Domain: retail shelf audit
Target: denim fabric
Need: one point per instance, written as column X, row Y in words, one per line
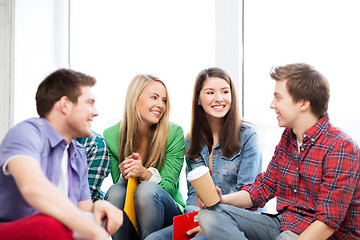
column 287, row 235
column 192, row 208
column 167, row 233
column 162, row 234
column 230, row 173
column 155, row 208
column 227, row 222
column 116, row 195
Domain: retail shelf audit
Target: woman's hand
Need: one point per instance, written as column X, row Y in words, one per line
column 125, row 166
column 132, row 167
column 137, row 169
column 196, row 231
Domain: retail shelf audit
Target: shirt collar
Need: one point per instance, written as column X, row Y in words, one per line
column 315, row 131
column 204, row 150
column 55, row 137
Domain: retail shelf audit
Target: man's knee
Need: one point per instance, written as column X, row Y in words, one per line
column 287, row 235
column 38, row 226
column 51, row 228
column 206, row 218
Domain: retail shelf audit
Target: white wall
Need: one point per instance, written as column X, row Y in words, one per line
column 41, row 43
column 228, row 48
column 173, row 40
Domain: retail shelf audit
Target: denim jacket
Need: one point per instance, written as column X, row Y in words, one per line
column 229, row 173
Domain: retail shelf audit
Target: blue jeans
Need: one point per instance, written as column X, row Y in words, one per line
column 227, row 222
column 155, row 208
column 167, row 233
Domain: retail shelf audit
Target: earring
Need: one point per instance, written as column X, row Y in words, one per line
column 199, row 102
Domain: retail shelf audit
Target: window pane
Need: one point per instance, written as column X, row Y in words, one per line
column 116, row 40
column 322, row 33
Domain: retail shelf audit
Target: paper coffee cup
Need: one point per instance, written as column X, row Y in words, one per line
column 204, row 186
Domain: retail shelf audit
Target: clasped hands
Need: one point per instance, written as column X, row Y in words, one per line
column 132, row 166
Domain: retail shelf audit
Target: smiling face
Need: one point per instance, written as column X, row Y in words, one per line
column 287, row 110
column 215, row 98
column 81, row 114
column 151, row 103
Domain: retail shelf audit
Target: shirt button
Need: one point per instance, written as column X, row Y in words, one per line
column 297, row 168
column 302, row 149
column 304, row 136
column 295, row 190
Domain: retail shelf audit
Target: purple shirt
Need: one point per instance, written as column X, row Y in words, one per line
column 37, row 139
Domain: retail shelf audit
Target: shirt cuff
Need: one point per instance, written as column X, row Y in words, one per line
column 327, row 222
column 156, row 178
column 122, row 180
column 4, row 166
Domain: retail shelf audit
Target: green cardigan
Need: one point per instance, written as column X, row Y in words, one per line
column 174, row 159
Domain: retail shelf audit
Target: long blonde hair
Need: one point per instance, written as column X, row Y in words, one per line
column 129, row 127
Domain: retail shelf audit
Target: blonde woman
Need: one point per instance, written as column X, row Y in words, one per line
column 147, row 146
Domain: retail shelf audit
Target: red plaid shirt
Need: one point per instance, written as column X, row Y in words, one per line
column 319, row 182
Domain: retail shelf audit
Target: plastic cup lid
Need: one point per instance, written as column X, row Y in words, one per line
column 197, row 172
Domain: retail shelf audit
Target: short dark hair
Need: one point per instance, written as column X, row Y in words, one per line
column 62, row 82
column 304, row 82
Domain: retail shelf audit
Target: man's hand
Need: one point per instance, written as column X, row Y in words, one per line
column 201, row 204
column 113, row 215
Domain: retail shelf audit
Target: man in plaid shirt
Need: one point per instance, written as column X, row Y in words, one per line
column 99, row 164
column 314, row 173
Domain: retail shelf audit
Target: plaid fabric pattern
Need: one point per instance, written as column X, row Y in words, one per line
column 318, row 182
column 99, row 164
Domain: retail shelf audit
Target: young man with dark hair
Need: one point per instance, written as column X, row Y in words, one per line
column 43, row 177
column 314, row 173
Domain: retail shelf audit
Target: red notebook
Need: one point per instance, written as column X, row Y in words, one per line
column 184, row 223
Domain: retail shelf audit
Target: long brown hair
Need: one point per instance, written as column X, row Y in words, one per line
column 200, row 132
column 128, row 132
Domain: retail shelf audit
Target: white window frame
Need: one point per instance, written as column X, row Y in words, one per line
column 6, row 66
